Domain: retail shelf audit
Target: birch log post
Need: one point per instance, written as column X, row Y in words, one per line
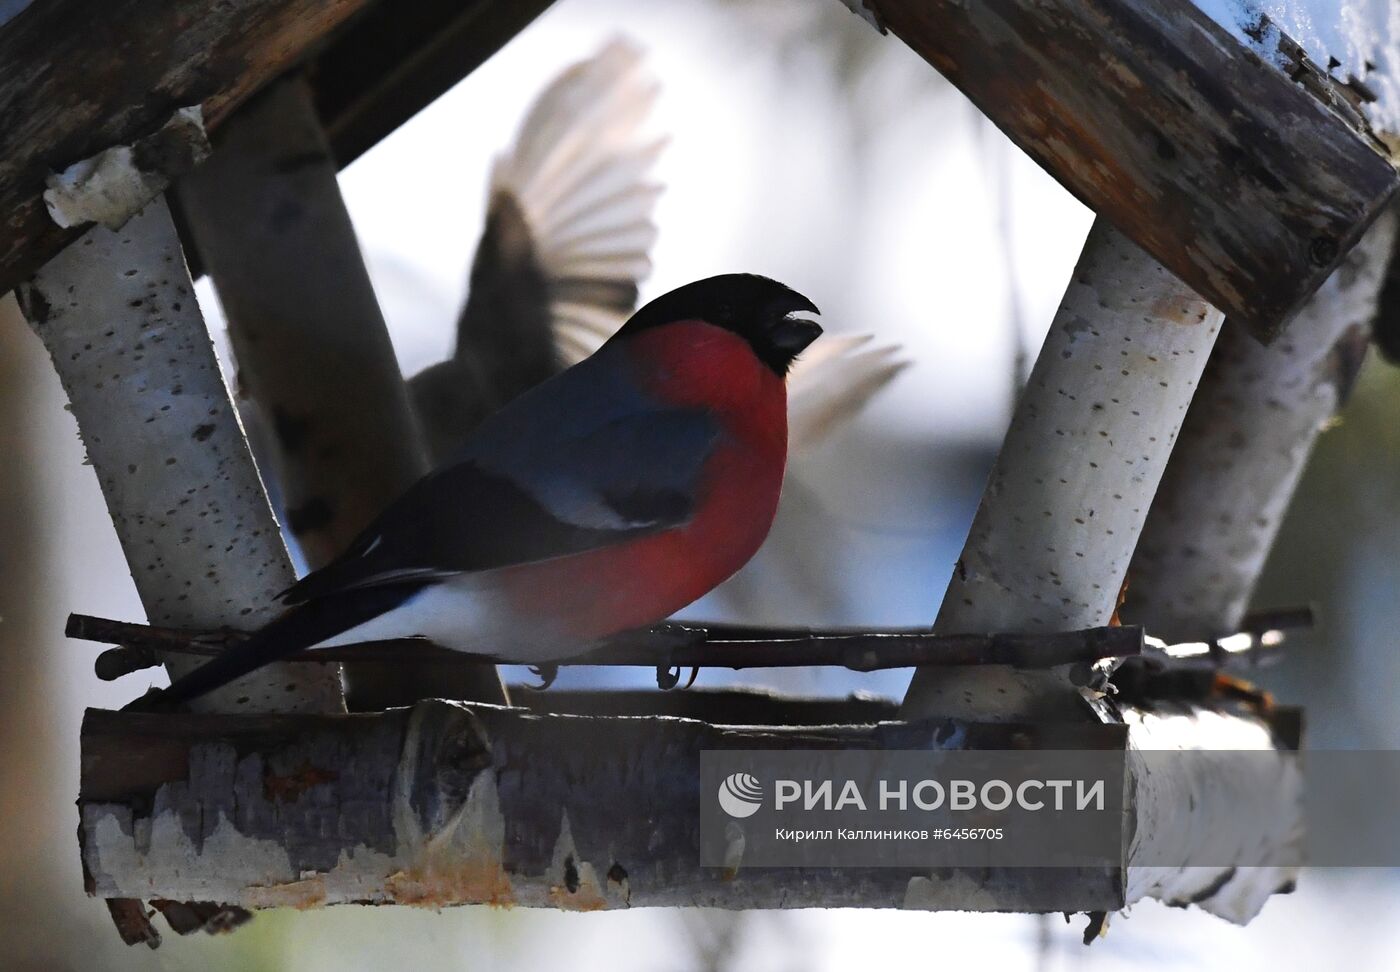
column 446, row 804
column 1051, row 540
column 1243, row 447
column 1050, row 546
column 1246, row 439
column 116, row 311
column 312, row 348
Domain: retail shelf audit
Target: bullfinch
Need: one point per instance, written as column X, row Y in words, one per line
column 606, row 498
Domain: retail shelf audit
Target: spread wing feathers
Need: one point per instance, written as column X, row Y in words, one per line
column 579, row 175
column 833, row 381
column 596, row 477
column 567, row 239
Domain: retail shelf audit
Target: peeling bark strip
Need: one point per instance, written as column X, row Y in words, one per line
column 1050, row 544
column 83, row 75
column 115, row 185
column 1238, row 180
column 1244, row 445
column 450, row 804
column 117, row 313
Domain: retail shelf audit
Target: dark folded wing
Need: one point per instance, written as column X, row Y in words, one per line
column 629, row 477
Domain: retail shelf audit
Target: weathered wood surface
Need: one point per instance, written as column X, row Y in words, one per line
column 396, row 58
column 118, row 315
column 1237, row 179
column 81, row 76
column 1243, row 447
column 449, row 804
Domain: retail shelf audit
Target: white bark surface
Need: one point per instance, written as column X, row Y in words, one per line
column 447, row 804
column 1202, row 809
column 117, row 313
column 1245, row 443
column 1050, row 547
column 312, row 348
column 1066, row 501
column 329, row 411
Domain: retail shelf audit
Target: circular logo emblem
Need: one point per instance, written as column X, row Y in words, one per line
column 740, row 795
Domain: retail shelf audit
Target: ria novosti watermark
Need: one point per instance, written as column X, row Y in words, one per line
column 869, row 808
column 930, row 794
column 901, row 808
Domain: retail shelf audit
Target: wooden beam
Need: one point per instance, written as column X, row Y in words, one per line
column 329, row 411
column 397, row 58
column 312, row 348
column 118, row 316
column 81, row 76
column 1052, row 537
column 1238, row 180
column 451, row 804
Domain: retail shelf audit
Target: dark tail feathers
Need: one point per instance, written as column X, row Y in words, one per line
column 300, row 627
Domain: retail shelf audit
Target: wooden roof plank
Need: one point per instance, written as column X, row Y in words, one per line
column 1237, row 179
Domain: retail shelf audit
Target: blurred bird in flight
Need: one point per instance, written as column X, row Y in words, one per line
column 568, row 235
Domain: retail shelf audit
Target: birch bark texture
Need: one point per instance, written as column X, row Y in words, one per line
column 117, row 312
column 313, row 351
column 1050, row 547
column 446, row 804
column 330, row 410
column 1052, row 538
column 1244, row 445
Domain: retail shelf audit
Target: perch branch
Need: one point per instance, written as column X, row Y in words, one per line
column 683, row 644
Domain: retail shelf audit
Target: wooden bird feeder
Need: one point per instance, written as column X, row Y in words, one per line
column 1229, row 190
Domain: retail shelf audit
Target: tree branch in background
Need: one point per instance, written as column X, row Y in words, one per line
column 312, row 347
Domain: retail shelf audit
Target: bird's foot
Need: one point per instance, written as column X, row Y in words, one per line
column 546, row 674
column 669, row 676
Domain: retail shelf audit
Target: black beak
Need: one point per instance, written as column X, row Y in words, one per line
column 791, row 335
column 790, row 302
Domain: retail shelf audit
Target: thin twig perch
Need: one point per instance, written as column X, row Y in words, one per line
column 710, row 645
